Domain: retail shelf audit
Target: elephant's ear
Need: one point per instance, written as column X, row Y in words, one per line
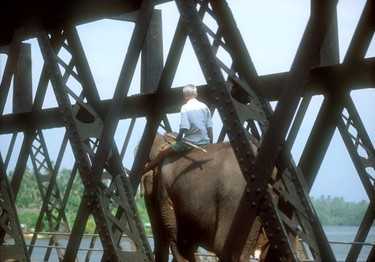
column 146, row 184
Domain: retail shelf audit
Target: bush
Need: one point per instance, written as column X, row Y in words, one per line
column 337, row 212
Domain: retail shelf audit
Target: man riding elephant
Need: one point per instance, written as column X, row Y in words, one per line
column 192, row 199
column 195, row 127
column 193, row 196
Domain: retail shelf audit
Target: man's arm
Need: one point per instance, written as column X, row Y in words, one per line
column 210, row 134
column 181, row 133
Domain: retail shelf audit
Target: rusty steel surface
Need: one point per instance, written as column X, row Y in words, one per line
column 20, row 13
column 91, row 124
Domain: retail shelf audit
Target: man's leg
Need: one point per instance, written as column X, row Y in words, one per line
column 159, row 158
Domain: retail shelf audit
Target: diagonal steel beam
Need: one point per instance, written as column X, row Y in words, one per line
column 106, row 142
column 95, row 196
column 362, row 153
column 293, row 87
column 9, row 223
column 332, row 107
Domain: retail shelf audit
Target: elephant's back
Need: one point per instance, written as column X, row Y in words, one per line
column 197, row 180
column 208, row 170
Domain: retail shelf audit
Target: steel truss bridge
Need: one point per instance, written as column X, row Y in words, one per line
column 90, row 122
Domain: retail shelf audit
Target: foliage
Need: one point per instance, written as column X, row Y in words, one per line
column 336, row 211
column 29, row 200
column 143, row 212
column 28, row 196
column 29, row 218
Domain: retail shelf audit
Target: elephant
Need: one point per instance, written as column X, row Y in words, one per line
column 192, row 198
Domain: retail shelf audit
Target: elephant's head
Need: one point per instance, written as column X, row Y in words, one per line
column 160, row 143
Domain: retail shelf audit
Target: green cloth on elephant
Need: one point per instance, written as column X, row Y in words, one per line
column 180, row 146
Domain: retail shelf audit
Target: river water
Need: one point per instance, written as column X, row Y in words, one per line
column 347, row 234
column 334, row 234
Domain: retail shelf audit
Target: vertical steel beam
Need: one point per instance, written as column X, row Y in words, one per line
column 22, row 93
column 10, row 67
column 153, row 120
column 329, row 55
column 152, row 55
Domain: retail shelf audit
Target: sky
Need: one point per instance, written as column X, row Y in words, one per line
column 272, row 31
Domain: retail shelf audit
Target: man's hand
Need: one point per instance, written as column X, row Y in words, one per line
column 210, row 134
column 180, row 134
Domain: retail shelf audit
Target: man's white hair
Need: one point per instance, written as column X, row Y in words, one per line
column 190, row 90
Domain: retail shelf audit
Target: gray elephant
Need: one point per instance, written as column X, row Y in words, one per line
column 192, row 200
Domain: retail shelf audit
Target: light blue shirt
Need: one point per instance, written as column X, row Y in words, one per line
column 196, row 118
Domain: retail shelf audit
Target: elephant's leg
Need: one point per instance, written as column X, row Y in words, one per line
column 170, row 225
column 222, row 233
column 161, row 251
column 161, row 245
column 186, row 246
column 224, row 223
column 223, row 227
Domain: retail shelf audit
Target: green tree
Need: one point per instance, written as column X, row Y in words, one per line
column 336, row 211
column 28, row 193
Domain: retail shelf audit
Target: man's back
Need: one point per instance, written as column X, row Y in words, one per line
column 196, row 118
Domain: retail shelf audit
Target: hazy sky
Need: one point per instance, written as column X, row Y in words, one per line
column 272, row 31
